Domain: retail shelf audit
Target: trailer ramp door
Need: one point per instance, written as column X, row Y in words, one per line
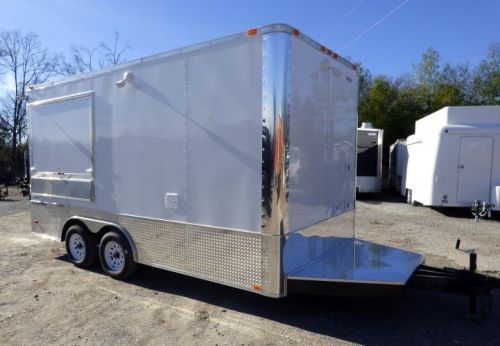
column 352, row 261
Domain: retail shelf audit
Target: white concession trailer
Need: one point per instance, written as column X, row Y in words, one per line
column 369, row 159
column 181, row 161
column 454, row 158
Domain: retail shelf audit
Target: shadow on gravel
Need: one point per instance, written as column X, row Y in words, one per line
column 463, row 213
column 387, row 196
column 420, row 318
column 8, row 200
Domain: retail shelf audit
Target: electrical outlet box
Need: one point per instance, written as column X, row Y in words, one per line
column 171, row 200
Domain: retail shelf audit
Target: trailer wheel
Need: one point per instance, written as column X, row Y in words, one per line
column 81, row 247
column 115, row 255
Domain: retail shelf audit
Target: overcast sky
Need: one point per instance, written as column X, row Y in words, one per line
column 387, row 36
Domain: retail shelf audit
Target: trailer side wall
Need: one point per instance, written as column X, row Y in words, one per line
column 177, row 160
column 170, row 131
column 323, row 116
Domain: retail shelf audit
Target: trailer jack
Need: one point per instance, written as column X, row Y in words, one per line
column 480, row 209
column 459, row 281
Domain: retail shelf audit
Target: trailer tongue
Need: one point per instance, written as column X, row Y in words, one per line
column 458, row 281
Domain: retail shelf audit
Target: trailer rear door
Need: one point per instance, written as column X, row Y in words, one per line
column 474, row 169
column 367, row 154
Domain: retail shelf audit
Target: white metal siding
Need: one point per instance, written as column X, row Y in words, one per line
column 188, row 124
column 223, row 124
column 150, row 135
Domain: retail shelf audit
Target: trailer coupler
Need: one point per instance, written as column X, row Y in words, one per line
column 480, row 209
column 459, row 281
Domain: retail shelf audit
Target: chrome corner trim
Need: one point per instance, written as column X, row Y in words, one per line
column 285, row 28
column 276, row 56
column 275, row 128
column 95, row 225
column 273, row 278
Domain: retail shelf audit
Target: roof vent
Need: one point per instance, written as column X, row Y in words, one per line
column 366, row 125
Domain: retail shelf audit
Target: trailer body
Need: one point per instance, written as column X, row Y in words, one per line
column 454, row 158
column 398, row 159
column 232, row 161
column 369, row 159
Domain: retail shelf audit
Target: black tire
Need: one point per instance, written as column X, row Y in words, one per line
column 78, row 239
column 123, row 260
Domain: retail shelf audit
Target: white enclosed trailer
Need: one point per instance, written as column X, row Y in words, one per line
column 454, row 158
column 398, row 159
column 231, row 161
column 369, row 159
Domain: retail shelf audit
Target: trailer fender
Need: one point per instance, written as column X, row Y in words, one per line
column 95, row 226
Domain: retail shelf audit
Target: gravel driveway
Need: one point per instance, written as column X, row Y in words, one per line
column 46, row 300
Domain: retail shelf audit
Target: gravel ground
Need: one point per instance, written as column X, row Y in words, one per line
column 46, row 300
column 432, row 232
column 14, row 203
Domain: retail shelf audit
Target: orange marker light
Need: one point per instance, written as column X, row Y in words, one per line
column 251, row 32
column 295, row 32
column 257, row 287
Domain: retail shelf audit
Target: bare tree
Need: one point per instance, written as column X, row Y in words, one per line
column 84, row 59
column 112, row 54
column 25, row 59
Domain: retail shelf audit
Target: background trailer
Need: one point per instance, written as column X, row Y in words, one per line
column 231, row 161
column 369, row 159
column 398, row 159
column 454, row 158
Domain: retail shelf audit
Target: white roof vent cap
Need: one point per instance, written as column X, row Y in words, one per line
column 367, row 125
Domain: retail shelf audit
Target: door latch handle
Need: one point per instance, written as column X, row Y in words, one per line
column 461, row 166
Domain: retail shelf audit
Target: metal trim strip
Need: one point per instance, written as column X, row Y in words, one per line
column 298, row 278
column 216, row 229
column 34, row 194
column 75, row 189
column 61, row 98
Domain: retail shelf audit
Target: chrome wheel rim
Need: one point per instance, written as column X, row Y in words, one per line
column 77, row 247
column 114, row 256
